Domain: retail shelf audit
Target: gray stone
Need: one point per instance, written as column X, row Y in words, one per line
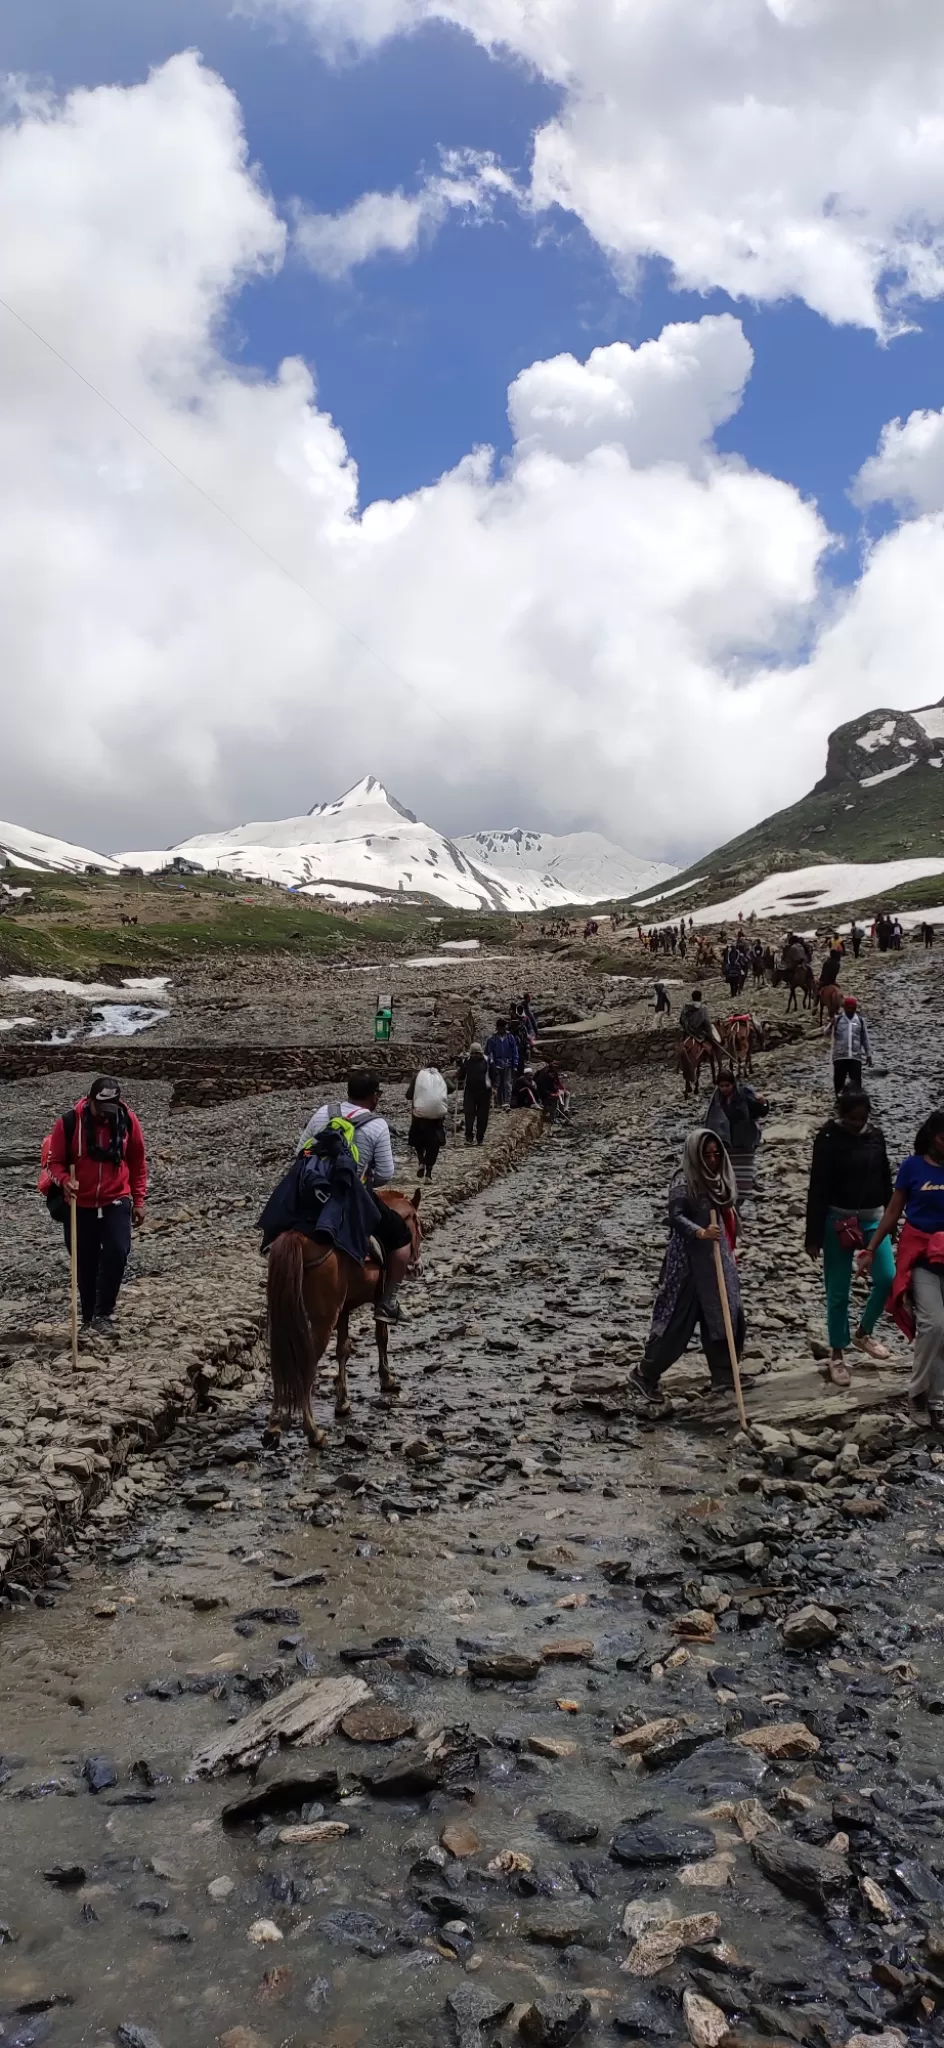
column 809, row 1628
column 648, row 1844
column 474, row 2006
column 816, row 1875
column 551, row 2022
column 568, row 1827
column 505, row 1665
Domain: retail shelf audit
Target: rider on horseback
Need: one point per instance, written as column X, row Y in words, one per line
column 376, row 1167
column 694, row 1021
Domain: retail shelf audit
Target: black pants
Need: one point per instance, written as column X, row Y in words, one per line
column 929, row 939
column 847, row 1070
column 856, row 944
column 390, row 1230
column 427, row 1138
column 103, row 1241
column 686, row 1318
column 477, row 1109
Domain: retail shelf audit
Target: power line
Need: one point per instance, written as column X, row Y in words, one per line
column 261, row 549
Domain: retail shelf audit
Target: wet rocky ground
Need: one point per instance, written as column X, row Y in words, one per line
column 649, row 1745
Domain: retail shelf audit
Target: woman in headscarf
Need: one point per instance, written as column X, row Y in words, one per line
column 688, row 1297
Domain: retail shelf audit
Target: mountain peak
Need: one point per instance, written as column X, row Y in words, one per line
column 368, row 792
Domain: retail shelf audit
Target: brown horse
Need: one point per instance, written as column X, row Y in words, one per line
column 796, row 977
column 830, row 1000
column 740, row 1035
column 311, row 1289
column 693, row 1052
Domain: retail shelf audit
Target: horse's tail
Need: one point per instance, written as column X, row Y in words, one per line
column 291, row 1351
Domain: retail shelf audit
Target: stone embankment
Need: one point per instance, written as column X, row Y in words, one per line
column 189, row 1338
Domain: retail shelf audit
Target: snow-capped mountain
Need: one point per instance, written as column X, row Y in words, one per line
column 36, row 851
column 367, row 847
column 578, row 867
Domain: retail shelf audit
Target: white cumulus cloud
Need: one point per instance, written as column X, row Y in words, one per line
column 607, row 629
column 395, row 223
column 908, row 468
column 773, row 148
column 661, row 401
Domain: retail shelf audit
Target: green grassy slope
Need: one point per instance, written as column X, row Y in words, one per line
column 71, row 925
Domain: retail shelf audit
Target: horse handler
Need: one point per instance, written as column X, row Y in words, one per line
column 100, row 1144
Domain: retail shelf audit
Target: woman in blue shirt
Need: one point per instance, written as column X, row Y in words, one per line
column 919, row 1198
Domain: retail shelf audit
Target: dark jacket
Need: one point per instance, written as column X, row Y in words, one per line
column 736, row 1122
column 322, row 1199
column 473, row 1076
column 502, row 1050
column 848, row 1171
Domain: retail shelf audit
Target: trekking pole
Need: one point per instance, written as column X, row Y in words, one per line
column 728, row 1331
column 73, row 1273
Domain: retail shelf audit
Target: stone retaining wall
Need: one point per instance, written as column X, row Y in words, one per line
column 206, row 1073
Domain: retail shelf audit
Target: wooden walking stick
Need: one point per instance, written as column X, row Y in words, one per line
column 728, row 1331
column 73, row 1272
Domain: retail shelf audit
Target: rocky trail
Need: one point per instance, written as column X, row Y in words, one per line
column 627, row 1731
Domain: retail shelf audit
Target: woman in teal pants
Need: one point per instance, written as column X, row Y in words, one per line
column 850, row 1186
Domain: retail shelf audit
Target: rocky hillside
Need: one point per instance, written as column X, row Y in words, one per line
column 881, row 798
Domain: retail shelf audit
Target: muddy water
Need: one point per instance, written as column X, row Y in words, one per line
column 487, row 1509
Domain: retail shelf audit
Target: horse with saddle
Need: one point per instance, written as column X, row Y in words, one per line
column 334, row 1243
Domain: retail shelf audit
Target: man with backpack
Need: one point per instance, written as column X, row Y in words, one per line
column 429, row 1093
column 95, row 1156
column 376, row 1166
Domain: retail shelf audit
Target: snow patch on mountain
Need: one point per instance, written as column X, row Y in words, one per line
column 802, row 892
column 43, row 855
column 576, row 867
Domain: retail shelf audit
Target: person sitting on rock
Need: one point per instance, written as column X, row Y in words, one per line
column 524, row 1094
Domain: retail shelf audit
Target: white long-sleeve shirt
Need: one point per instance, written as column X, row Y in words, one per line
column 374, row 1147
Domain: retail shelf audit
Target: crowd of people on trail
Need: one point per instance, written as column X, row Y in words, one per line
column 853, row 1208
column 667, row 938
column 860, row 1218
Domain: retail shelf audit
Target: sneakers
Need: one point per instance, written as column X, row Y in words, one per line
column 387, row 1312
column 105, row 1326
column 652, row 1394
column 870, row 1345
column 936, row 1415
column 919, row 1413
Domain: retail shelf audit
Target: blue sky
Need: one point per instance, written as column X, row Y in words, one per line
column 414, row 356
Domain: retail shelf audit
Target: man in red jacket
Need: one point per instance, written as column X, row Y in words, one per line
column 101, row 1144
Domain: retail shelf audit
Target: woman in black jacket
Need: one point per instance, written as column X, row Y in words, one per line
column 850, row 1185
column 734, row 1114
